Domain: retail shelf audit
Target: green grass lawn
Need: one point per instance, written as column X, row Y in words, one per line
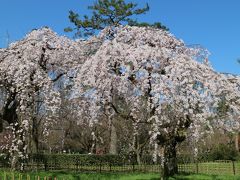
column 57, row 175
column 207, row 171
column 79, row 176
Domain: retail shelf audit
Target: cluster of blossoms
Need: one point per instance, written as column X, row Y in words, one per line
column 29, row 71
column 148, row 76
column 143, row 75
column 140, row 63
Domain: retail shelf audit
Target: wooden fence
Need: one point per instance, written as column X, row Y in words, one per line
column 214, row 168
column 86, row 163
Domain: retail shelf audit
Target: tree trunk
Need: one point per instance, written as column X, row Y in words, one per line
column 34, row 145
column 237, row 142
column 1, row 125
column 137, row 149
column 138, row 157
column 14, row 162
column 170, row 163
column 113, row 140
column 34, row 137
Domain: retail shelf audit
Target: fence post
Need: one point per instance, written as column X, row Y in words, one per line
column 77, row 166
column 100, row 166
column 197, row 167
column 234, row 170
column 45, row 165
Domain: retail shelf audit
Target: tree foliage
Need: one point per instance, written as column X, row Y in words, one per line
column 29, row 71
column 144, row 81
column 108, row 13
column 161, row 85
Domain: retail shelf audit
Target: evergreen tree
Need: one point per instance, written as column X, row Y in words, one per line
column 108, row 13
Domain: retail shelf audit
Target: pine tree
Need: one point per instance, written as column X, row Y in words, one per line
column 108, row 13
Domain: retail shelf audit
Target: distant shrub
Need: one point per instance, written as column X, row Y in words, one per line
column 4, row 160
column 81, row 159
column 224, row 152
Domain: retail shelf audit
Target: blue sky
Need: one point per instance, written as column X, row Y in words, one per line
column 213, row 24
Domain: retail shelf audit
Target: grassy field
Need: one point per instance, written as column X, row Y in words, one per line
column 212, row 168
column 222, row 170
column 77, row 176
column 107, row 176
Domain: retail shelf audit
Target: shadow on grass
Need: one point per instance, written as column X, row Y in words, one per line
column 187, row 176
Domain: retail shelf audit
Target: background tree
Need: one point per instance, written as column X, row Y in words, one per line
column 109, row 13
column 29, row 71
